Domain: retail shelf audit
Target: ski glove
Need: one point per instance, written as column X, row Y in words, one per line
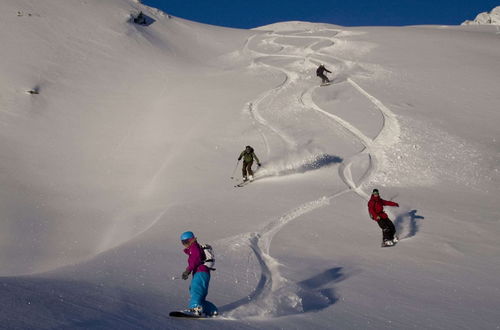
column 185, row 274
column 259, row 165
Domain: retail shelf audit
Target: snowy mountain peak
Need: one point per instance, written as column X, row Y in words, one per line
column 493, row 18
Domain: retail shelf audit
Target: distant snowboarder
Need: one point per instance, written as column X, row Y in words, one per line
column 376, row 210
column 198, row 290
column 320, row 72
column 248, row 156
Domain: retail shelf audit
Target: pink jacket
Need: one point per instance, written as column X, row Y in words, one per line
column 195, row 259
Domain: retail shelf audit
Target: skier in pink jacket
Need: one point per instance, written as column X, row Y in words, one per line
column 198, row 290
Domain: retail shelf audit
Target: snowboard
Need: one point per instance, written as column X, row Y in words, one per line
column 186, row 315
column 326, row 84
column 394, row 242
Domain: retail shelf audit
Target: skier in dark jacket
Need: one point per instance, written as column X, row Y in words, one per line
column 320, row 72
column 248, row 156
column 376, row 210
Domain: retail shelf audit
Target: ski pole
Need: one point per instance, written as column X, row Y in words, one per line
column 175, row 278
column 232, row 174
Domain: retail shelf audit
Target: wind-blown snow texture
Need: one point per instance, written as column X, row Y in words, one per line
column 130, row 135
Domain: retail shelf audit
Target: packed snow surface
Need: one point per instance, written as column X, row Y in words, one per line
column 117, row 137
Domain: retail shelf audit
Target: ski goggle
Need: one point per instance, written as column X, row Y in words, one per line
column 186, row 241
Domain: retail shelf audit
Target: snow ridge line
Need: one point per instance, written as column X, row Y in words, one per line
column 388, row 134
column 306, row 100
column 275, row 295
column 253, row 107
column 257, row 118
column 345, row 168
column 391, row 129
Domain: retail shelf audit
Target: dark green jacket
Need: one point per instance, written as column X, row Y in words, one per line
column 248, row 156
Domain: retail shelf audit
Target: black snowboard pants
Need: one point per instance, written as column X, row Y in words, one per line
column 247, row 168
column 388, row 229
column 324, row 79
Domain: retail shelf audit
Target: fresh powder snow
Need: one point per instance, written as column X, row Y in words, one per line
column 117, row 137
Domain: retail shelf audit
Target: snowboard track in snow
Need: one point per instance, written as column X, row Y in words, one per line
column 274, row 295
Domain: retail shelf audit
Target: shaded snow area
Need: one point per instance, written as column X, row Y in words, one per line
column 493, row 18
column 116, row 137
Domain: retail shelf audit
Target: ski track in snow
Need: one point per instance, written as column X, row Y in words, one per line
column 275, row 295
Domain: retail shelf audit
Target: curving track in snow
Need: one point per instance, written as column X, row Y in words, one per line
column 275, row 295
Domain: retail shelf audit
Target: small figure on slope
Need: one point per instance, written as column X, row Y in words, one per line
column 198, row 290
column 376, row 210
column 248, row 156
column 320, row 72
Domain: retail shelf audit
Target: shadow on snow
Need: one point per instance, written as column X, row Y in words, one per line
column 316, row 287
column 413, row 221
column 35, row 303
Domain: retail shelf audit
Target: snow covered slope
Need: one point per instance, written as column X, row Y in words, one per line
column 131, row 134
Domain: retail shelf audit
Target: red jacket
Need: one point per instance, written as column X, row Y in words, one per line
column 376, row 207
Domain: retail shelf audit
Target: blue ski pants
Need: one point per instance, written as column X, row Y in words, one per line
column 198, row 291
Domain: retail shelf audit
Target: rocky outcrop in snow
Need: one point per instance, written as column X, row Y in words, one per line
column 493, row 17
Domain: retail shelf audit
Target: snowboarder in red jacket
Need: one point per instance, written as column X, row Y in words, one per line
column 376, row 210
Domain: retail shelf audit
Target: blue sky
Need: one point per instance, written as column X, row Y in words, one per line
column 249, row 14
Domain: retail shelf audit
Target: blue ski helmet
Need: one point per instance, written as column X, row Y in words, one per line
column 187, row 235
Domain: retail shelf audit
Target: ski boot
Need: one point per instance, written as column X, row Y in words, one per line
column 195, row 311
column 198, row 310
column 213, row 314
column 387, row 243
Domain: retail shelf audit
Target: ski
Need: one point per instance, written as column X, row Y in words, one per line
column 242, row 184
